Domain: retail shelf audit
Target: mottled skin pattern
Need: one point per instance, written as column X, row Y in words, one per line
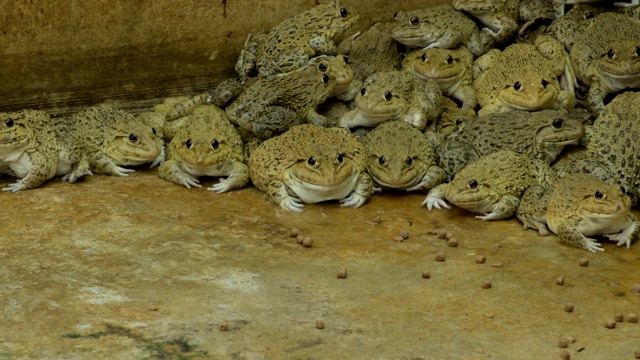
column 309, row 164
column 73, row 162
column 540, row 135
column 290, row 44
column 499, row 16
column 450, row 68
column 272, row 105
column 406, row 164
column 568, row 28
column 492, row 185
column 452, row 117
column 373, row 51
column 440, row 26
column 523, row 77
column 607, row 61
column 112, row 138
column 394, row 95
column 28, row 149
column 578, row 207
column 613, row 152
column 207, row 145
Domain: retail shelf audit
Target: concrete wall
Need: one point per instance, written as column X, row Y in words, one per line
column 64, row 53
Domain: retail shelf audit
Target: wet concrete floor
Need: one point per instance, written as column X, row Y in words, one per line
column 140, row 268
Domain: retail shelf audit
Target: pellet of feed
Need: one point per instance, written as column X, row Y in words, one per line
column 486, row 285
column 635, row 288
column 568, row 307
column 632, row 318
column 299, row 239
column 426, row 274
column 452, row 242
column 441, row 234
column 441, row 256
column 307, row 241
column 404, row 234
column 610, row 324
column 319, row 324
column 398, row 238
column 294, row 232
column 563, row 343
column 342, row 273
column 636, row 355
column 584, row 262
column 480, row 259
column 224, row 326
column 560, row 280
column 565, row 355
column 619, row 317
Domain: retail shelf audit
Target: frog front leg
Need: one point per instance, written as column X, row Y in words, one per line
column 501, row 27
column 436, row 199
column 79, row 169
column 433, row 177
column 41, row 169
column 570, row 235
column 278, row 194
column 360, row 194
column 626, row 236
column 468, row 95
column 237, row 179
column 597, row 92
column 533, row 208
column 503, row 209
column 172, row 171
column 102, row 164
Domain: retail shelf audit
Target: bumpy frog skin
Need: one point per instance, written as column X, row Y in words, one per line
column 521, row 78
column 406, row 164
column 568, row 28
column 499, row 16
column 310, row 164
column 28, row 148
column 112, row 138
column 612, row 152
column 290, row 44
column 608, row 61
column 578, row 207
column 373, row 51
column 540, row 135
column 492, row 185
column 559, row 5
column 453, row 118
column 272, row 105
column 439, row 26
column 450, row 68
column 394, row 95
column 208, row 145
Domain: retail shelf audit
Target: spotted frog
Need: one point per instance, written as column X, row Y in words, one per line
column 499, row 16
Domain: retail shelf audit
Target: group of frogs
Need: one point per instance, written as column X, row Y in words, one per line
column 478, row 117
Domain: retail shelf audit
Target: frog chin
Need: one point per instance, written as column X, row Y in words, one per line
column 395, row 183
column 312, row 193
column 11, row 151
column 413, row 39
column 132, row 155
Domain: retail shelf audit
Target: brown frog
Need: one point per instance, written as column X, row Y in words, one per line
column 499, row 16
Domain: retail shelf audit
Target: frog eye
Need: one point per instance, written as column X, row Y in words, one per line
column 363, row 92
column 544, row 83
column 215, row 144
column 189, row 144
column 409, row 160
column 415, row 20
column 388, row 95
column 9, row 123
column 589, row 15
column 473, row 184
column 424, row 57
column 240, row 79
column 517, row 86
column 325, row 78
column 599, row 195
column 322, row 67
column 311, row 161
column 582, row 92
column 637, row 51
column 395, row 14
column 557, row 123
column 340, row 158
column 154, row 131
column 624, row 191
column 344, row 12
column 611, row 53
column 346, row 59
column 449, row 59
column 133, row 138
column 459, row 121
column 382, row 160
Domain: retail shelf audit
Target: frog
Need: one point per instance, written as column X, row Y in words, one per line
column 113, row 138
column 559, row 5
column 541, row 135
column 607, row 61
column 309, row 164
column 578, row 207
column 450, row 68
column 568, row 27
column 453, row 118
column 612, row 154
column 271, row 105
column 500, row 17
column 290, row 44
column 440, row 26
column 370, row 52
column 390, row 95
column 524, row 77
column 28, row 149
column 410, row 164
column 492, row 185
column 208, row 145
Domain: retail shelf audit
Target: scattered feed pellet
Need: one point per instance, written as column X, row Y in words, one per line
column 398, row 238
column 610, row 324
column 342, row 273
column 319, row 324
column 452, row 242
column 565, row 355
column 299, row 239
column 294, row 232
column 441, row 256
column 568, row 307
column 584, row 262
column 480, row 259
column 426, row 274
column 619, row 317
column 635, row 288
column 224, row 326
column 636, row 355
column 404, row 234
column 563, row 343
column 441, row 234
column 632, row 318
column 560, row 280
column 486, row 285
column 307, row 241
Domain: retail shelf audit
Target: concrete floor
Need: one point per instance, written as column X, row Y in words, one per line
column 140, row 268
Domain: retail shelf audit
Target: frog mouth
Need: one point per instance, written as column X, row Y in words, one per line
column 607, row 215
column 412, row 40
column 205, row 170
column 14, row 146
column 402, row 186
column 313, row 193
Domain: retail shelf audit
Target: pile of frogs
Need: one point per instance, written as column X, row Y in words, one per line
column 472, row 103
